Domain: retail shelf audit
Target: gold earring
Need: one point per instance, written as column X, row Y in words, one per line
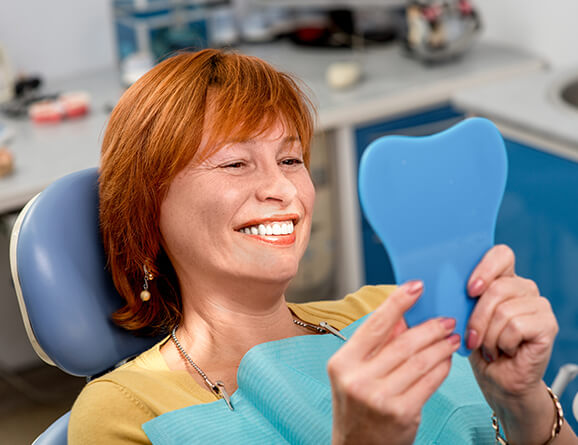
column 145, row 295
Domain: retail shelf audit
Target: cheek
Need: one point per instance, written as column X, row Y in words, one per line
column 179, row 219
column 188, row 219
column 307, row 192
column 171, row 223
column 229, row 196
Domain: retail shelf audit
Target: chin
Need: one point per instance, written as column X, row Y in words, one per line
column 280, row 275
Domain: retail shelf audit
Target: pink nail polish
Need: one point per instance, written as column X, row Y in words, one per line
column 414, row 287
column 454, row 339
column 475, row 288
column 471, row 339
column 448, row 323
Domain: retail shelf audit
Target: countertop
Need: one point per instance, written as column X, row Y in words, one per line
column 45, row 152
column 530, row 103
column 391, row 84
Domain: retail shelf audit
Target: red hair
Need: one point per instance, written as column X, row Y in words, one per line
column 153, row 133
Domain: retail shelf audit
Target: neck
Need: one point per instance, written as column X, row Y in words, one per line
column 228, row 327
column 218, row 328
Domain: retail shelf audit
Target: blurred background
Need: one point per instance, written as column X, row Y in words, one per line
column 374, row 67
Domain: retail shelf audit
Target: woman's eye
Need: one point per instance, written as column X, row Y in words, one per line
column 237, row 164
column 292, row 161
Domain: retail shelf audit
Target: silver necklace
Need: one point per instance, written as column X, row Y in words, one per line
column 218, row 387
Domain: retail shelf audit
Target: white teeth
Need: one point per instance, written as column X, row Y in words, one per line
column 276, row 228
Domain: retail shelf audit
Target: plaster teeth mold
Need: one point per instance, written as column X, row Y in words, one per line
column 433, row 201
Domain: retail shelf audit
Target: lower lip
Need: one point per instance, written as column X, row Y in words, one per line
column 279, row 240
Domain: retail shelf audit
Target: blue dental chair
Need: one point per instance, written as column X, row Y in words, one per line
column 65, row 294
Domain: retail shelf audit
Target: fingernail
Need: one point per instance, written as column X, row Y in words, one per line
column 487, row 356
column 475, row 288
column 454, row 339
column 414, row 287
column 448, row 323
column 471, row 339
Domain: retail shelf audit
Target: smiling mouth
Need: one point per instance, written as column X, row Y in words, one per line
column 273, row 228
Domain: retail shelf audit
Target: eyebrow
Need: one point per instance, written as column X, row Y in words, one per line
column 286, row 140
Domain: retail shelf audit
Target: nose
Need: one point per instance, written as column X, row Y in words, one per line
column 275, row 185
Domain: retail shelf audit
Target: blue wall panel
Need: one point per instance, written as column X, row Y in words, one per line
column 539, row 220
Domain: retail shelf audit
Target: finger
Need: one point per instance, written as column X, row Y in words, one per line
column 399, row 328
column 425, row 388
column 477, row 362
column 506, row 314
column 407, row 345
column 420, row 364
column 537, row 330
column 498, row 261
column 499, row 291
column 373, row 332
column 410, row 403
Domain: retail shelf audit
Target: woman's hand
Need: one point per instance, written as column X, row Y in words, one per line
column 511, row 332
column 384, row 374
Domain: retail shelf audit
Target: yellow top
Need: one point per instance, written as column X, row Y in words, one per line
column 112, row 408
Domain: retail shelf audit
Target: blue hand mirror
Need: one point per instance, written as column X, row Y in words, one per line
column 433, row 201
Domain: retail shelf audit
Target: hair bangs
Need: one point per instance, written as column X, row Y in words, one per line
column 240, row 111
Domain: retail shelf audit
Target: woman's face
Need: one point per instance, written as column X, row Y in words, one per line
column 243, row 213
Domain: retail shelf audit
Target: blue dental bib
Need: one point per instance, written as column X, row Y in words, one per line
column 284, row 397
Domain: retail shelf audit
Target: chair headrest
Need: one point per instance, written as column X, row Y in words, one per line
column 65, row 293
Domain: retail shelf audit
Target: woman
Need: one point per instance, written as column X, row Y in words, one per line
column 206, row 204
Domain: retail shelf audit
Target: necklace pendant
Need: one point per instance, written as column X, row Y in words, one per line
column 224, row 394
column 331, row 329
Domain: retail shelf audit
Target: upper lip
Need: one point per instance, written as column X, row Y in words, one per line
column 273, row 218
